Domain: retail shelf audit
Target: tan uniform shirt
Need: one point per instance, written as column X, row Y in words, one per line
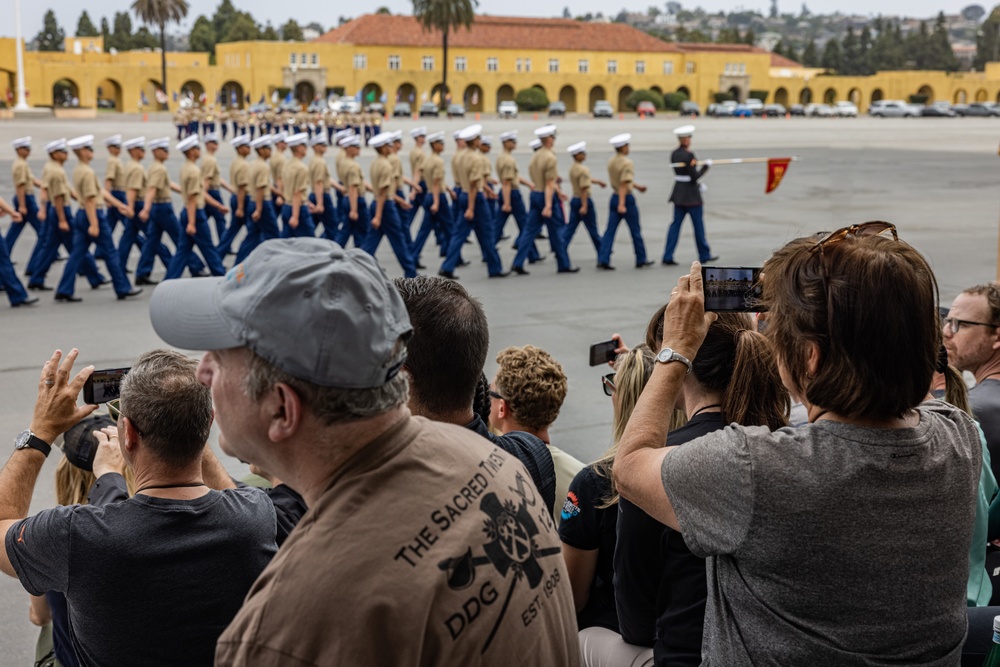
column 338, row 165
column 55, row 181
column 456, row 167
column 277, row 163
column 434, row 170
column 135, row 178
column 463, row 161
column 296, row 179
column 382, row 176
column 259, row 177
column 191, row 184
column 239, row 173
column 210, row 171
column 115, row 173
column 22, row 175
column 86, row 185
column 464, row 570
column 397, row 171
column 159, row 179
column 507, row 168
column 417, row 158
column 579, row 177
column 319, row 171
column 544, row 167
column 620, row 171
column 478, row 168
column 353, row 175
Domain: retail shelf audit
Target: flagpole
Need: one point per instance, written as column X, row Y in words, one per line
column 22, row 102
column 738, row 160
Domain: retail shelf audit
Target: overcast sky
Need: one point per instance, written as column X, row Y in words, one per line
column 278, row 13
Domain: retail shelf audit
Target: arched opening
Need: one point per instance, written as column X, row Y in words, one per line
column 805, row 96
column 657, row 90
column 622, row 96
column 473, row 98
column 407, row 92
column 961, row 97
column 505, row 93
column 232, row 95
column 736, row 92
column 109, row 95
column 305, row 92
column 193, row 91
column 7, row 82
column 927, row 92
column 683, row 90
column 567, row 95
column 830, row 96
column 982, row 95
column 781, row 96
column 998, row 98
column 151, row 95
column 855, row 97
column 65, row 93
column 877, row 95
column 437, row 97
column 371, row 93
column 596, row 94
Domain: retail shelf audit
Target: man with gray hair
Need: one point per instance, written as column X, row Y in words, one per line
column 424, row 544
column 153, row 579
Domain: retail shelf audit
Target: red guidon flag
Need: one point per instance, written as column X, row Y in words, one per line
column 777, row 167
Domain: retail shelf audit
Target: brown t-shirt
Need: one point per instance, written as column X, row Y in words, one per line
column 21, row 173
column 55, row 181
column 210, row 171
column 319, row 171
column 135, row 178
column 430, row 547
column 86, row 185
column 620, row 170
column 544, row 167
column 115, row 173
column 295, row 178
column 507, row 168
column 159, row 179
column 381, row 175
column 579, row 177
column 191, row 184
column 259, row 177
column 239, row 172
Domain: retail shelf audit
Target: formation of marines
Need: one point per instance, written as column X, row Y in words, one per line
column 261, row 119
column 275, row 189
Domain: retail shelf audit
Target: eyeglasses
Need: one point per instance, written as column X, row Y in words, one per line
column 955, row 325
column 608, row 382
column 495, row 395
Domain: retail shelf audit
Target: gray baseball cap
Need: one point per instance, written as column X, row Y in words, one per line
column 318, row 312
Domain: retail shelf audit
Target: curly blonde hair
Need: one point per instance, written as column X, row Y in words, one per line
column 532, row 383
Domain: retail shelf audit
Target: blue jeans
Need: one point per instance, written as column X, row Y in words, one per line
column 215, row 214
column 162, row 219
column 392, row 227
column 482, row 224
column 673, row 235
column 328, row 217
column 554, row 224
column 17, row 227
column 439, row 223
column 55, row 237
column 82, row 241
column 306, row 226
column 631, row 217
column 357, row 229
column 202, row 238
column 589, row 221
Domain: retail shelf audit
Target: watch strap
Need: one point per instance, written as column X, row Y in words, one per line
column 666, row 355
column 34, row 442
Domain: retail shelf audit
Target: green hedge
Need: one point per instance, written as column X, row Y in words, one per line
column 759, row 95
column 672, row 101
column 919, row 99
column 643, row 95
column 531, row 99
column 723, row 97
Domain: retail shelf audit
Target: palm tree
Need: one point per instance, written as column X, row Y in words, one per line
column 444, row 16
column 159, row 13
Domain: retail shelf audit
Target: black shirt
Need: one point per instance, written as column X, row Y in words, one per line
column 530, row 451
column 686, row 193
column 660, row 586
column 587, row 526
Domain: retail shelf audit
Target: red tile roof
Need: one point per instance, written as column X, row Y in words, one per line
column 782, row 61
column 503, row 32
column 720, row 48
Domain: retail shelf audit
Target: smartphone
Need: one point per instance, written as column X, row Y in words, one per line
column 602, row 353
column 732, row 289
column 103, row 386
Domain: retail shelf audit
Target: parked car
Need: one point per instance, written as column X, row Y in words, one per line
column 557, row 108
column 797, row 110
column 938, row 110
column 756, row 106
column 846, row 110
column 456, row 111
column 892, row 109
column 722, row 109
column 819, row 110
column 603, row 109
column 774, row 111
column 429, row 109
column 690, row 109
column 645, row 108
column 401, row 109
column 105, row 104
column 507, row 109
column 977, row 109
column 743, row 111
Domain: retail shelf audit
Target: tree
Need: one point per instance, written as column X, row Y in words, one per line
column 774, row 9
column 85, row 27
column 242, row 29
column 318, row 27
column 159, row 13
column 850, row 59
column 988, row 40
column 144, row 39
column 566, row 13
column 383, row 10
column 749, row 37
column 941, row 55
column 674, row 7
column 291, row 32
column 269, row 34
column 51, row 37
column 445, row 16
column 810, row 55
column 973, row 13
column 202, row 36
column 531, row 99
column 121, row 34
column 224, row 15
column 832, row 58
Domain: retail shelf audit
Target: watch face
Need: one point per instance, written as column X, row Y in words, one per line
column 21, row 441
column 665, row 355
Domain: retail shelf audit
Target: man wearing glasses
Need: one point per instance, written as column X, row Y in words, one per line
column 972, row 338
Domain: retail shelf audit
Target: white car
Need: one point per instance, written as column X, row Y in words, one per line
column 846, row 109
column 507, row 109
column 892, row 109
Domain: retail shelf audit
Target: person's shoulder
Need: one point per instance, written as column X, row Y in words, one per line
column 565, row 460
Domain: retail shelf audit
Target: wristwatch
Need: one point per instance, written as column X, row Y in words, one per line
column 667, row 355
column 26, row 439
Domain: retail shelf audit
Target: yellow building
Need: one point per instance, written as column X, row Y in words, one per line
column 391, row 58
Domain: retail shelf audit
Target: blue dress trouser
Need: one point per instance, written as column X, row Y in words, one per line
column 215, row 214
column 328, row 217
column 82, row 241
column 358, row 229
column 554, row 224
column 673, row 235
column 9, row 280
column 257, row 232
column 202, row 238
column 306, row 225
column 235, row 224
column 589, row 221
column 402, row 217
column 482, row 224
column 392, row 227
column 55, row 237
column 520, row 217
column 113, row 214
column 419, row 202
column 162, row 219
column 439, row 223
column 631, row 217
column 17, row 227
column 133, row 235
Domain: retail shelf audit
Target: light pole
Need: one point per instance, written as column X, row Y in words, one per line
column 22, row 102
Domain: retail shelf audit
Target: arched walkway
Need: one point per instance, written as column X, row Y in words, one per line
column 109, row 95
column 505, row 93
column 232, row 95
column 657, row 90
column 623, row 96
column 596, row 94
column 371, row 93
column 961, row 97
column 65, row 93
column 683, row 90
column 436, row 94
column 982, row 95
column 781, row 96
column 736, row 92
column 305, row 92
column 877, row 95
column 473, row 98
column 805, row 96
column 193, row 90
column 407, row 92
column 928, row 92
column 855, row 96
column 830, row 96
column 567, row 95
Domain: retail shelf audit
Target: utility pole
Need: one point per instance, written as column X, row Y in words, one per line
column 22, row 102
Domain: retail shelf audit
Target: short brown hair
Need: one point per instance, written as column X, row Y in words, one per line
column 873, row 317
column 532, row 383
column 992, row 293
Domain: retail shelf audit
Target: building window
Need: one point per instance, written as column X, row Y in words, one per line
column 248, row 59
column 640, row 66
column 360, row 61
column 518, row 64
column 291, row 58
column 492, row 64
column 428, row 63
column 553, row 65
column 302, row 59
column 394, row 63
column 314, row 59
column 583, row 66
column 668, row 67
column 612, row 67
column 460, row 64
column 689, row 68
column 527, row 64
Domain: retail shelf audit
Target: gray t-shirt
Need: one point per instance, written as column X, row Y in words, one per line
column 985, row 401
column 832, row 544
